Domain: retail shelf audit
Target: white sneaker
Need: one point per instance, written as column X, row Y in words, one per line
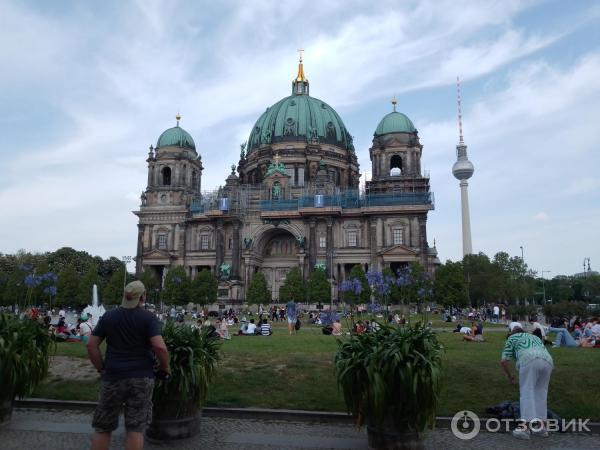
column 540, row 433
column 521, row 434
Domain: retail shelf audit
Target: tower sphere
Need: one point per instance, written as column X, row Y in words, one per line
column 463, row 169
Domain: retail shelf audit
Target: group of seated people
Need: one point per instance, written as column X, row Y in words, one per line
column 576, row 333
column 252, row 329
column 474, row 333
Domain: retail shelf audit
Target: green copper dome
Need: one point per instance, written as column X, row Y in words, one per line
column 300, row 118
column 176, row 137
column 395, row 122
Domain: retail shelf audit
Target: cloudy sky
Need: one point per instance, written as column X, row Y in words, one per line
column 86, row 87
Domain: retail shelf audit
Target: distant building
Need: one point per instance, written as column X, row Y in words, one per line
column 292, row 200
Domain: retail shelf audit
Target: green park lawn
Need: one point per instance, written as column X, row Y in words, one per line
column 296, row 372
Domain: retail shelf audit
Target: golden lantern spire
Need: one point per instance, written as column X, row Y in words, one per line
column 394, row 102
column 300, row 76
column 178, row 118
column 300, row 83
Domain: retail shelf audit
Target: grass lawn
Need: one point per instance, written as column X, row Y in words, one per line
column 297, row 373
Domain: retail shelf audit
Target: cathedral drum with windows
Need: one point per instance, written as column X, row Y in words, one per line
column 292, row 200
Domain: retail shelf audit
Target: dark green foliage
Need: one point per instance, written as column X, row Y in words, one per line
column 86, row 284
column 150, row 282
column 319, row 289
column 194, row 356
column 24, row 349
column 568, row 310
column 521, row 312
column 68, row 286
column 177, row 287
column 258, row 291
column 204, row 288
column 391, row 378
column 293, row 287
column 112, row 294
column 350, row 297
column 450, row 286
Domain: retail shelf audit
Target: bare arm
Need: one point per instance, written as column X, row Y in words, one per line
column 161, row 352
column 94, row 353
column 506, row 367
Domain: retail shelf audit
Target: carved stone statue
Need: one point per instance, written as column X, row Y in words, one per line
column 225, row 271
column 243, row 150
column 301, row 241
column 144, row 199
column 247, row 243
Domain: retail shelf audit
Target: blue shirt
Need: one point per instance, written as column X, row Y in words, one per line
column 291, row 309
column 128, row 349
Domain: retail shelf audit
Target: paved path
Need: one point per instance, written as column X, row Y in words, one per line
column 70, row 430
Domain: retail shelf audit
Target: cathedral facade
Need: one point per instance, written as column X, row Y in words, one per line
column 292, row 201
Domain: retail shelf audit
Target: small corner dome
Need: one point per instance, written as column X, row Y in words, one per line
column 395, row 122
column 176, row 137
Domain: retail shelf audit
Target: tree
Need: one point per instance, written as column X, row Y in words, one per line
column 151, row 283
column 395, row 294
column 361, row 295
column 203, row 288
column 293, row 287
column 177, row 287
column 449, row 286
column 67, row 287
column 86, row 284
column 319, row 289
column 112, row 294
column 258, row 291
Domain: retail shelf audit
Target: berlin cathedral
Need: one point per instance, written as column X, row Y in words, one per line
column 292, row 201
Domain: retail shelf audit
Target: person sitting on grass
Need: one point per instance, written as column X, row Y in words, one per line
column 251, row 329
column 564, row 339
column 359, row 327
column 476, row 333
column 265, row 328
column 336, row 328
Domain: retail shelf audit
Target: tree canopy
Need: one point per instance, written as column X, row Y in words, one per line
column 258, row 291
column 293, row 288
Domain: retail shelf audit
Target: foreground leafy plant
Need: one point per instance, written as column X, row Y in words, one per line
column 391, row 378
column 24, row 351
column 194, row 357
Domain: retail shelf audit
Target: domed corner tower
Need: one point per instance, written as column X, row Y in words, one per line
column 397, row 178
column 174, row 180
column 396, row 156
column 308, row 135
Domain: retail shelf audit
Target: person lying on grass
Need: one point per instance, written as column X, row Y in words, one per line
column 476, row 334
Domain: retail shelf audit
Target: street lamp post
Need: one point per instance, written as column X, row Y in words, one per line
column 522, row 257
column 544, row 284
column 126, row 260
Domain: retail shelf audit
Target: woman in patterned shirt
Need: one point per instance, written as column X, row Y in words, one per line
column 534, row 365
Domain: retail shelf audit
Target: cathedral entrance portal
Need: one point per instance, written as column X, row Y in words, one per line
column 280, row 255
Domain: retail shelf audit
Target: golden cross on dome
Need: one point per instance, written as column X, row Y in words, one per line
column 178, row 118
column 394, row 102
column 301, row 53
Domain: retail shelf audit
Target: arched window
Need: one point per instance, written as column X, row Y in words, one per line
column 166, row 176
column 194, row 180
column 395, row 165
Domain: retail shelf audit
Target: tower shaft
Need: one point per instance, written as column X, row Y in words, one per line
column 466, row 218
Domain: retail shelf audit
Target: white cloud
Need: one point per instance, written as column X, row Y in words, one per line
column 115, row 81
column 541, row 216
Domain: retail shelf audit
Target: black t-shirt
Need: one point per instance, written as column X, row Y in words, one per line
column 128, row 349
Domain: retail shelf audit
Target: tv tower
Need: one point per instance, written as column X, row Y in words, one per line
column 463, row 170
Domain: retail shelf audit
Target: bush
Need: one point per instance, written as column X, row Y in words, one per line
column 194, row 356
column 24, row 351
column 522, row 312
column 567, row 310
column 391, row 378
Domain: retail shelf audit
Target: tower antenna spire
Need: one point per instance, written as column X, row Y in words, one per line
column 458, row 99
column 394, row 102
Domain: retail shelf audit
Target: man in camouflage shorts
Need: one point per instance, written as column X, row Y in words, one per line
column 133, row 338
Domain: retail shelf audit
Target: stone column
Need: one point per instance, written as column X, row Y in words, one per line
column 329, row 247
column 423, row 241
column 140, row 249
column 176, row 238
column 219, row 246
column 151, row 232
column 373, row 242
column 235, row 251
column 150, row 167
column 312, row 237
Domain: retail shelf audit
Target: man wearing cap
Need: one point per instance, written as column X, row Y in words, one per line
column 535, row 365
column 132, row 339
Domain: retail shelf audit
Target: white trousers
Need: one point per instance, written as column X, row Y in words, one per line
column 533, row 386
